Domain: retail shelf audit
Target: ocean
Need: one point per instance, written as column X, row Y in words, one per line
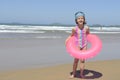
column 40, row 31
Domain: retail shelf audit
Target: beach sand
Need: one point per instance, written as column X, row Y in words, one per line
column 97, row 70
column 47, row 59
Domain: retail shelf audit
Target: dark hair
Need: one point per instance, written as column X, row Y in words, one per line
column 83, row 22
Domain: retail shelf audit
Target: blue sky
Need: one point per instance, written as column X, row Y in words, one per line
column 106, row 12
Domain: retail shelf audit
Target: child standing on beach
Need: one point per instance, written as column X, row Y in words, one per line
column 80, row 31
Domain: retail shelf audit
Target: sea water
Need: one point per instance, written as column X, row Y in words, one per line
column 46, row 31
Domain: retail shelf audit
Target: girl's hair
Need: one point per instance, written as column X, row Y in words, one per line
column 77, row 14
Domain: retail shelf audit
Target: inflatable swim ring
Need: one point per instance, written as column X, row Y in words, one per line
column 96, row 46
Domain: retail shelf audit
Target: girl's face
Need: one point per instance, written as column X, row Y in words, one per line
column 80, row 20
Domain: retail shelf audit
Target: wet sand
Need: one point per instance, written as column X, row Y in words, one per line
column 47, row 59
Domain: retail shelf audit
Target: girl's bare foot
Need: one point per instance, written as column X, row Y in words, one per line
column 82, row 76
column 71, row 76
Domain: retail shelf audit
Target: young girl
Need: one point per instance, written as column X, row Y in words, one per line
column 80, row 31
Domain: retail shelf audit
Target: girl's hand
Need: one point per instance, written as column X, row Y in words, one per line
column 67, row 39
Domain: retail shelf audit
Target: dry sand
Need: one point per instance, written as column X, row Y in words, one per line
column 98, row 70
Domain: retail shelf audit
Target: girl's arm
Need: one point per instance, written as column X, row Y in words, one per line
column 87, row 30
column 73, row 32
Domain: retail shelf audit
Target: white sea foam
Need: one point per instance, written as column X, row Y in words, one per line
column 43, row 29
column 106, row 32
column 49, row 37
column 20, row 31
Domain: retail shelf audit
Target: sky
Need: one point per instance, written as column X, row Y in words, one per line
column 104, row 12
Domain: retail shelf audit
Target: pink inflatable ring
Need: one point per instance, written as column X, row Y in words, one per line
column 96, row 46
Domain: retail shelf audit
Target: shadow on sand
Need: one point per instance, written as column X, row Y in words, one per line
column 88, row 74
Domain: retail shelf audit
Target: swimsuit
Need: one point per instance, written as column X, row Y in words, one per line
column 81, row 38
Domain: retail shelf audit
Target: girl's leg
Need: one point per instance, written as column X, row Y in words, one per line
column 82, row 64
column 74, row 67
